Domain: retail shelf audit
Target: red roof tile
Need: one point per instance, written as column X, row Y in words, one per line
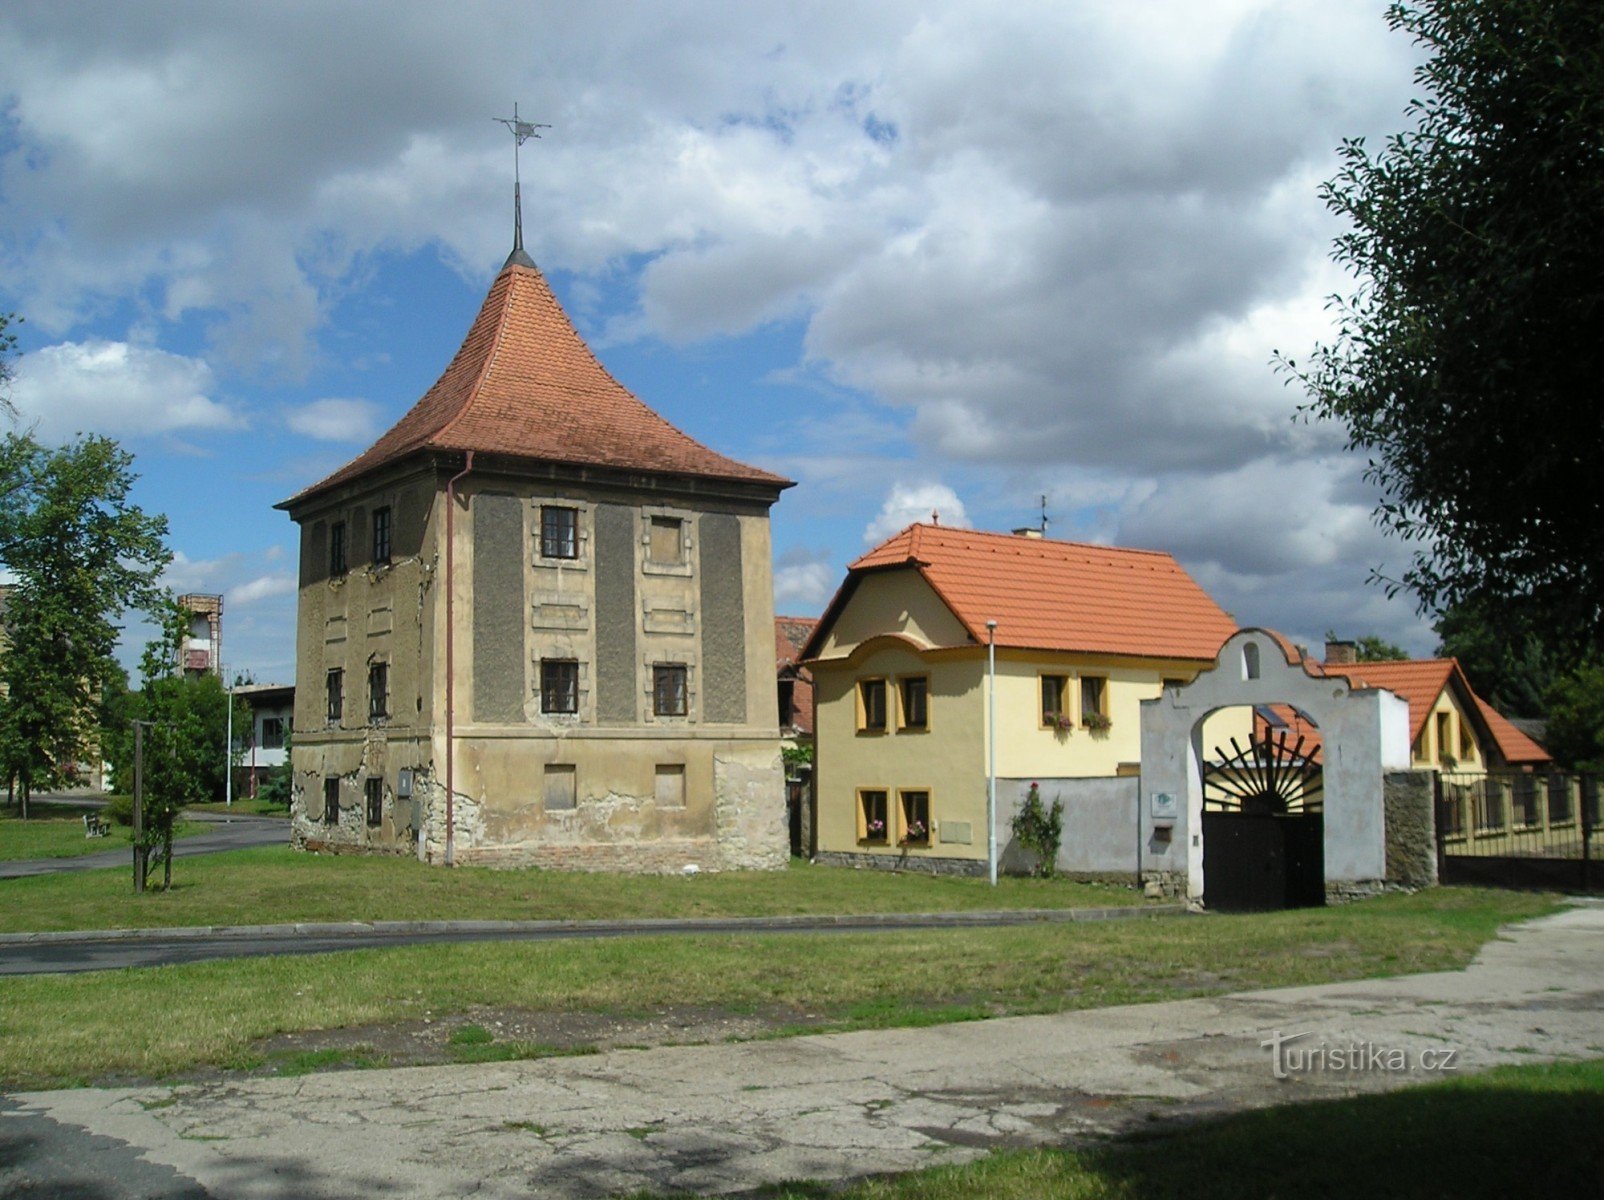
column 1421, row 680
column 1051, row 595
column 525, row 384
column 791, row 634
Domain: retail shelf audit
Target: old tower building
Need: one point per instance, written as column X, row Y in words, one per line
column 536, row 623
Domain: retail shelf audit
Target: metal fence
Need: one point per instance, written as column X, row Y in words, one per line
column 1520, row 829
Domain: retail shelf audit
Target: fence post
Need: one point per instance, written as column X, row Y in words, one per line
column 1587, row 830
column 1438, row 823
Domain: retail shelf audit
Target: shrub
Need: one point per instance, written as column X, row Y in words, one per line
column 120, row 808
column 1039, row 829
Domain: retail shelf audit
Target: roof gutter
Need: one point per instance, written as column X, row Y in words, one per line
column 451, row 672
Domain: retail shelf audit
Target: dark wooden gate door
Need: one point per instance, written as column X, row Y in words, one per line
column 1263, row 829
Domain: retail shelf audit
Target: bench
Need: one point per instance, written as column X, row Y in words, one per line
column 95, row 825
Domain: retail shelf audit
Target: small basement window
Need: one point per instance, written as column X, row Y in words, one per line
column 561, row 790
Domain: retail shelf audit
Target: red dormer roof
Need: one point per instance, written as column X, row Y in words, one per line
column 1051, row 595
column 524, row 384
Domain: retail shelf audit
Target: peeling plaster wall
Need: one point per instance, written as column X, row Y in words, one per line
column 615, row 608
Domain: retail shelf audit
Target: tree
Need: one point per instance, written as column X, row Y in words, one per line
column 1466, row 363
column 82, row 553
column 1371, row 648
column 1575, row 733
column 1505, row 658
column 185, row 761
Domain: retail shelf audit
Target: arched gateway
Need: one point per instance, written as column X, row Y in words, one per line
column 1364, row 732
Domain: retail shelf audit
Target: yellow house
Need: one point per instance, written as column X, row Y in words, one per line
column 1083, row 634
column 1451, row 728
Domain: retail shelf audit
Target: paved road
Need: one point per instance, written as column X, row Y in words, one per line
column 57, row 953
column 732, row 1117
column 232, row 831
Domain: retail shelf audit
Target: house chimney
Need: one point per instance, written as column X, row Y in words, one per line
column 1029, row 531
column 1342, row 654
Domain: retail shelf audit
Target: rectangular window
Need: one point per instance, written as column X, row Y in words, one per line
column 378, row 691
column 669, row 690
column 1094, row 701
column 272, row 733
column 670, row 786
column 381, row 535
column 666, row 542
column 1054, row 701
column 872, row 817
column 1559, row 800
column 915, row 695
column 871, row 706
column 334, row 684
column 559, row 532
column 375, row 797
column 1445, row 732
column 331, row 800
column 559, row 685
column 561, row 789
column 1467, row 743
column 914, row 810
column 1526, row 810
column 337, row 559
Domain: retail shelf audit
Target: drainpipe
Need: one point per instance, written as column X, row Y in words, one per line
column 451, row 640
column 991, row 751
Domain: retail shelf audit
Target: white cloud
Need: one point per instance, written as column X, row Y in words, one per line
column 260, row 588
column 804, row 580
column 335, row 420
column 907, row 503
column 116, row 389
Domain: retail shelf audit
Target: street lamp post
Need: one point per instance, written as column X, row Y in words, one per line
column 991, row 751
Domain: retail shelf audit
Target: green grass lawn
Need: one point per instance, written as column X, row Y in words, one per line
column 1514, row 1131
column 57, row 831
column 77, row 1028
column 271, row 885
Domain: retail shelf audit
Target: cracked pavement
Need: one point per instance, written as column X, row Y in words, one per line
column 731, row 1117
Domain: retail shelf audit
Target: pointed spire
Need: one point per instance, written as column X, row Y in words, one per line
column 521, row 131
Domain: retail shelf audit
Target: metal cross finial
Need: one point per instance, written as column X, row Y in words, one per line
column 522, row 131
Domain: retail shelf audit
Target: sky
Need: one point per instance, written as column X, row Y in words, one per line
column 925, row 257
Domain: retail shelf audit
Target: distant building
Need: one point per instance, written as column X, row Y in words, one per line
column 535, row 623
column 200, row 652
column 264, row 745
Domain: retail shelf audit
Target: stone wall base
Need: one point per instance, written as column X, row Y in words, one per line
column 660, row 858
column 1341, row 891
column 1164, row 885
column 902, row 862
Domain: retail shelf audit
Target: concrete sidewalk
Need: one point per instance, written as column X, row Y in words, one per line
column 731, row 1117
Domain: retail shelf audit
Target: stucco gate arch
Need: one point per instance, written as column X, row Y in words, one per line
column 1365, row 732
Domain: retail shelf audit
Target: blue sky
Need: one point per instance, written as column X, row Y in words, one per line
column 915, row 256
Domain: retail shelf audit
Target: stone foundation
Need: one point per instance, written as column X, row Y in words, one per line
column 902, row 862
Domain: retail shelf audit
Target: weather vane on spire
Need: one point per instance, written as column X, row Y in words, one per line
column 522, row 131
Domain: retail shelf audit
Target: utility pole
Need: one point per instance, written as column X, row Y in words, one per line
column 228, row 745
column 991, row 751
column 140, row 857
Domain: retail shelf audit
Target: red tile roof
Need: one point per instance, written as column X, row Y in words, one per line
column 525, row 384
column 1051, row 595
column 1420, row 681
column 791, row 634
